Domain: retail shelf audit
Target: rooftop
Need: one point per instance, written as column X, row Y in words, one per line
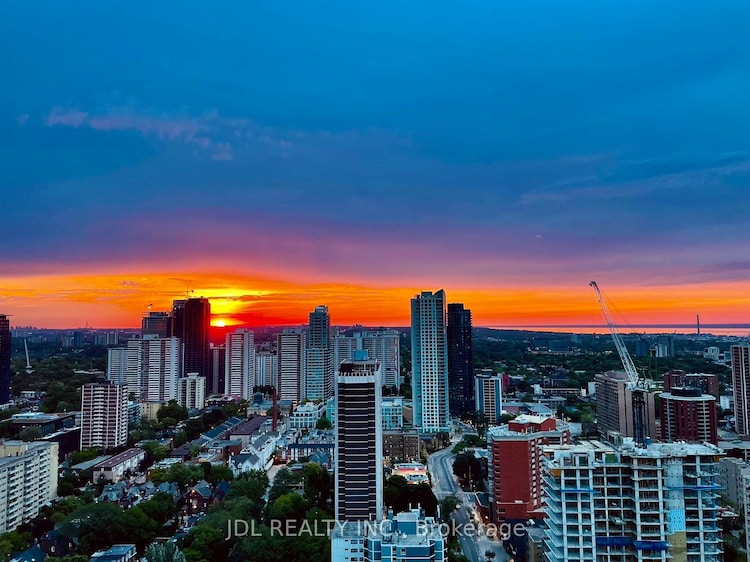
column 85, row 465
column 121, row 458
column 628, row 449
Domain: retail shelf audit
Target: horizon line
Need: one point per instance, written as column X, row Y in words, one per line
column 508, row 327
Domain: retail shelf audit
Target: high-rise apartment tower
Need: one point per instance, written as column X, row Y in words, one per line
column 429, row 358
column 460, row 364
column 319, row 359
column 741, row 382
column 191, row 322
column 359, row 440
column 240, row 367
column 5, row 349
column 104, row 415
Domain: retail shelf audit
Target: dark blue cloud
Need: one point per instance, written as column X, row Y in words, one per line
column 591, row 127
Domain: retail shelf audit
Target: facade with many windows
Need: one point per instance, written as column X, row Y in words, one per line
column 240, row 364
column 741, row 384
column 28, row 480
column 192, row 392
column 621, row 503
column 104, row 415
column 359, row 441
column 460, row 362
column 429, row 358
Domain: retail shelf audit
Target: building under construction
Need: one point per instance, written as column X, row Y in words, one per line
column 616, row 407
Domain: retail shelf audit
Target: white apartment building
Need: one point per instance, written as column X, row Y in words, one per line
column 117, row 364
column 150, row 367
column 192, row 392
column 240, row 367
column 382, row 345
column 291, row 349
column 161, row 366
column 622, row 503
column 266, row 368
column 28, row 480
column 104, row 415
column 429, row 360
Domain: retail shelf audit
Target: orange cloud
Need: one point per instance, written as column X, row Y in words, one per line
column 119, row 300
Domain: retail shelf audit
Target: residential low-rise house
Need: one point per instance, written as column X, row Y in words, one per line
column 202, row 496
column 166, row 463
column 246, row 431
column 324, row 460
column 33, row 554
column 223, row 430
column 245, row 462
column 306, row 415
column 316, row 440
column 114, row 468
column 116, row 553
column 224, row 447
column 55, row 543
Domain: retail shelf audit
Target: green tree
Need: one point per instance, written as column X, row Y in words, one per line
column 318, row 485
column 180, row 439
column 194, row 427
column 290, row 506
column 206, row 543
column 96, row 526
column 29, row 434
column 447, row 506
column 468, row 468
column 284, row 482
column 215, row 474
column 172, row 410
column 65, row 507
column 160, row 507
column 138, row 527
column 84, row 455
column 155, row 451
column 184, row 475
column 323, row 423
column 252, row 484
column 14, row 541
column 167, row 552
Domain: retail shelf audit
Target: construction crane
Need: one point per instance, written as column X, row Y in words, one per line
column 634, row 381
column 635, row 384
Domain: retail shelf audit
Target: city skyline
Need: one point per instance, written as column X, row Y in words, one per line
column 272, row 158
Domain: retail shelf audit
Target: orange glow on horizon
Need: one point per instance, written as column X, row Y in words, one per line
column 114, row 301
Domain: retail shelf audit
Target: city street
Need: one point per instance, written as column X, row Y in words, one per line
column 440, row 467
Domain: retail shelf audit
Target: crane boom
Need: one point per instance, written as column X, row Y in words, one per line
column 627, row 361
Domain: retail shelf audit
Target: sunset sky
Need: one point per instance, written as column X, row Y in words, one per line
column 274, row 156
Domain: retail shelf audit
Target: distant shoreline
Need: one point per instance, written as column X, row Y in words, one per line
column 740, row 330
